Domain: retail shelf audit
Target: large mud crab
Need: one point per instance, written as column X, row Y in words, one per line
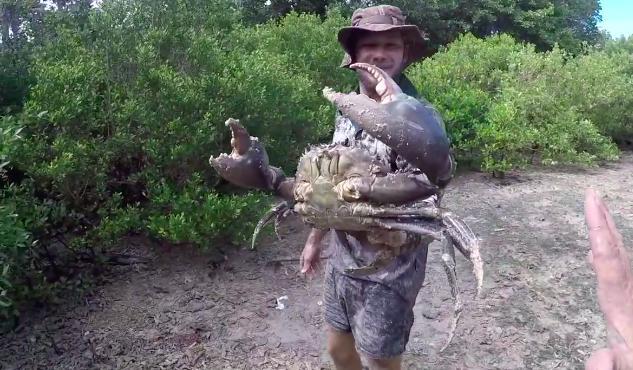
column 346, row 188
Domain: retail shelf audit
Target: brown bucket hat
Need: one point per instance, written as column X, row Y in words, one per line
column 382, row 18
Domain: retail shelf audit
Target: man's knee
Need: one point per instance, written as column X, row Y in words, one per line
column 385, row 363
column 340, row 346
column 341, row 354
column 341, row 351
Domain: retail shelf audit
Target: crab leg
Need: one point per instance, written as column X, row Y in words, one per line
column 272, row 214
column 468, row 245
column 448, row 259
column 280, row 216
column 414, row 211
column 414, row 228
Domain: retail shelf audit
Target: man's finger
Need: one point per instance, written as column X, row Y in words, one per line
column 302, row 264
column 609, row 221
column 604, row 248
column 599, row 233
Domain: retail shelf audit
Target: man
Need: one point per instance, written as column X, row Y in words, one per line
column 373, row 314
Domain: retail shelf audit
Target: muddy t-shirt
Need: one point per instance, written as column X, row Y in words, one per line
column 405, row 274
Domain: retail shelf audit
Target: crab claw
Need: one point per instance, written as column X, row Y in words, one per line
column 247, row 163
column 386, row 88
column 411, row 127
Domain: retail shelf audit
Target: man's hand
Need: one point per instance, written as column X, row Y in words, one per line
column 311, row 255
column 615, row 286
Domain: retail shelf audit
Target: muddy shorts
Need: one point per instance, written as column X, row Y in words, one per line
column 379, row 318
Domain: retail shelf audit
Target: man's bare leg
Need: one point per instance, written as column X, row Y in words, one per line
column 385, row 363
column 340, row 346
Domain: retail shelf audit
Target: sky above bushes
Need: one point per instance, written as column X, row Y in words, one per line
column 617, row 17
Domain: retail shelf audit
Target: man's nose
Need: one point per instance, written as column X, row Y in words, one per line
column 378, row 57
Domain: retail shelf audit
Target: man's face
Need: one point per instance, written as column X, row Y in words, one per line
column 382, row 49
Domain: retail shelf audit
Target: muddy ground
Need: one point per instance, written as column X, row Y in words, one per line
column 183, row 310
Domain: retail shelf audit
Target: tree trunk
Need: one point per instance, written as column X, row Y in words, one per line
column 6, row 22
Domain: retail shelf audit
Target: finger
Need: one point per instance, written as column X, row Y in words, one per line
column 308, row 265
column 609, row 220
column 606, row 259
column 307, row 270
column 602, row 359
column 596, row 221
column 305, row 265
column 609, row 256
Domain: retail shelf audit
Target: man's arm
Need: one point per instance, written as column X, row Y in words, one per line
column 311, row 255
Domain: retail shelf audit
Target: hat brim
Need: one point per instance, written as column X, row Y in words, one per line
column 413, row 38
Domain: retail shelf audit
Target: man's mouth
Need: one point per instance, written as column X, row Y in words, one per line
column 384, row 68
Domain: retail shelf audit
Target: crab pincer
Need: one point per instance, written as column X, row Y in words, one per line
column 247, row 163
column 405, row 124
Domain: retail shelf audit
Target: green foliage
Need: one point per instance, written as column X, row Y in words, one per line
column 314, row 46
column 120, row 125
column 620, row 45
column 461, row 82
column 14, row 244
column 600, row 85
column 9, row 137
column 257, row 11
column 544, row 23
column 196, row 216
column 14, row 79
column 15, row 54
column 506, row 105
